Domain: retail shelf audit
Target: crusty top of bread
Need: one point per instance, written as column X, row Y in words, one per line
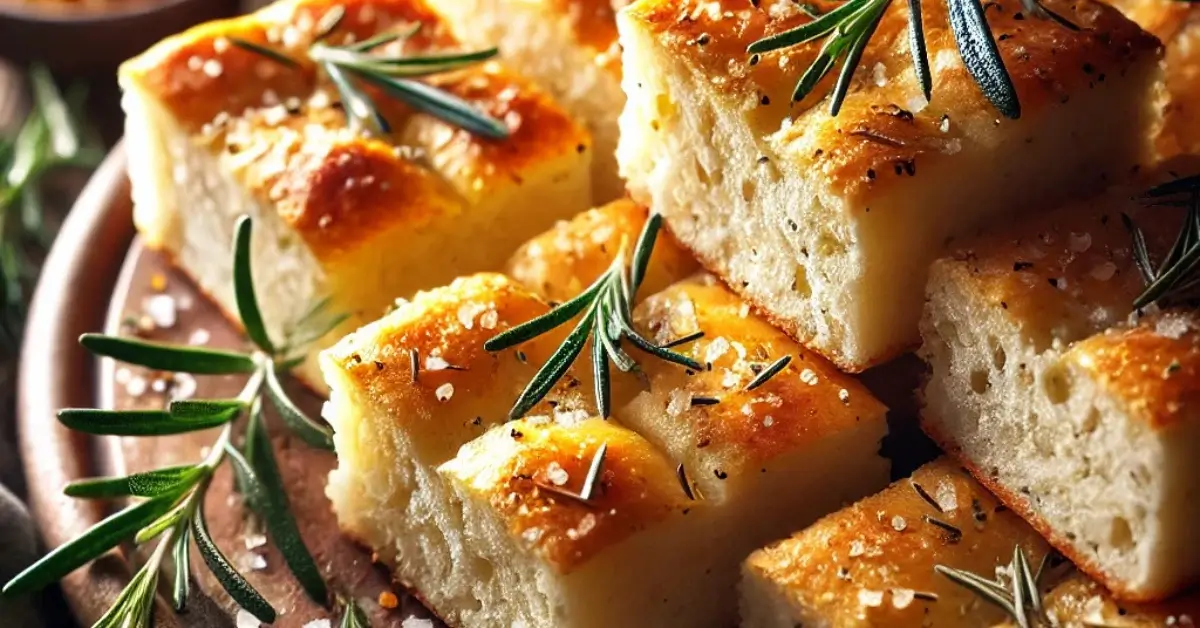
column 1079, row 600
column 1065, row 274
column 1162, row 18
column 561, row 262
column 511, row 466
column 808, row 401
column 1154, row 366
column 595, row 25
column 335, row 186
column 865, row 561
column 884, row 133
column 446, row 329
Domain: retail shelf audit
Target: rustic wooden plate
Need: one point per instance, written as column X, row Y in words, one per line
column 96, row 276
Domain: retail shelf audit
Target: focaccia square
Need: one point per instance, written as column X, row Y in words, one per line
column 874, row 564
column 214, row 131
column 704, row 470
column 570, row 48
column 1081, row 415
column 828, row 224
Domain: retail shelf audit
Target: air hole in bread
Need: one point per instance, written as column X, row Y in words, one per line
column 1120, row 535
column 1091, row 421
column 948, row 332
column 979, row 381
column 830, row 245
column 1056, row 381
column 749, row 189
column 999, row 355
column 800, row 283
column 664, row 107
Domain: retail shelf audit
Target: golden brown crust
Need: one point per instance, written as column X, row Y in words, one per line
column 482, row 385
column 1069, row 272
column 595, row 26
column 1153, row 367
column 861, row 565
column 561, row 262
column 879, row 138
column 292, row 144
column 808, row 401
column 637, row 486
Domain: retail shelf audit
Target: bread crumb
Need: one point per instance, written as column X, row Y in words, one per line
column 444, row 392
column 868, row 597
column 808, row 376
column 902, row 598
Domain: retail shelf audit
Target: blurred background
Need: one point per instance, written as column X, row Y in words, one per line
column 59, row 115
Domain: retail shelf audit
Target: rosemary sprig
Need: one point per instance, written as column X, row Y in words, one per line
column 392, row 74
column 172, row 509
column 607, row 308
column 1019, row 600
column 848, row 28
column 51, row 137
column 1177, row 277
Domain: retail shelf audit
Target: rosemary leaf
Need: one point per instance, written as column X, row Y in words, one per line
column 181, row 559
column 807, row 32
column 64, row 136
column 164, row 357
column 272, row 503
column 609, row 335
column 972, row 583
column 920, row 54
column 329, row 22
column 1019, row 590
column 238, row 588
column 313, row 433
column 132, row 608
column 1027, row 579
column 243, row 287
column 981, row 56
column 1141, row 255
column 203, row 408
column 359, row 108
column 382, row 39
column 683, row 340
column 138, row 422
column 865, row 25
column 593, row 477
column 766, row 374
column 642, row 250
column 98, row 539
column 1174, row 188
column 265, row 51
column 353, row 616
column 158, row 526
column 554, row 368
column 826, row 56
column 550, row 320
column 146, row 484
column 603, row 378
column 438, row 103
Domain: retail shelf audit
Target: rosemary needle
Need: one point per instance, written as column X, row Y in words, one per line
column 394, row 75
column 173, row 508
column 1177, row 277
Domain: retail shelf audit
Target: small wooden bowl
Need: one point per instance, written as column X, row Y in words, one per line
column 89, row 36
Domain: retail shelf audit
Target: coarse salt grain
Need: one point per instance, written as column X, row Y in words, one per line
column 136, row 386
column 213, row 68
column 122, row 376
column 744, row 310
column 1173, row 327
column 467, row 313
column 679, row 402
column 870, row 598
column 185, row 386
column 730, row 379
column 199, row 336
column 879, row 75
column 444, row 392
column 532, row 535
column 903, row 598
column 844, row 395
column 946, row 496
column 1080, row 242
column 436, row 363
column 808, row 376
column 246, row 620
column 416, row 622
column 318, row 623
column 161, row 310
column 254, row 541
column 768, row 421
column 489, row 319
column 898, row 523
column 556, row 474
column 716, row 349
column 856, row 548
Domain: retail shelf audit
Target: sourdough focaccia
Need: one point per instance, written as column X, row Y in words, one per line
column 872, row 563
column 570, row 48
column 486, row 535
column 215, row 131
column 1085, row 424
column 828, row 224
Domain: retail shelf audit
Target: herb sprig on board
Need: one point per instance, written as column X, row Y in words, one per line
column 1177, row 277
column 169, row 503
column 848, row 29
column 607, row 309
column 51, row 137
column 394, row 75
